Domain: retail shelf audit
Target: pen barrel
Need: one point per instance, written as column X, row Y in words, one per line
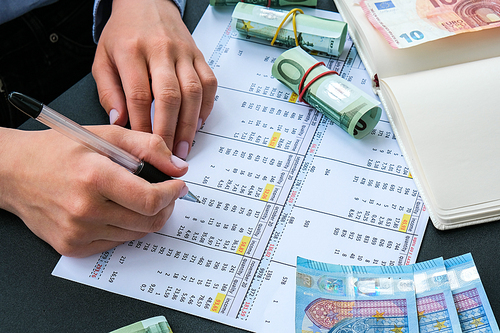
column 90, row 140
column 151, row 174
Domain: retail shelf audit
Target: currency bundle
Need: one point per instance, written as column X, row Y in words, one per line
column 433, row 296
column 349, row 107
column 269, row 3
column 313, row 34
column 151, row 325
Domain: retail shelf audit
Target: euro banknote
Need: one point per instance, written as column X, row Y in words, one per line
column 349, row 107
column 473, row 307
column 406, row 23
column 272, row 3
column 341, row 298
column 152, row 325
column 435, row 304
column 314, row 34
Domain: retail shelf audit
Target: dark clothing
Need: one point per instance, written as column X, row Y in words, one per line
column 43, row 53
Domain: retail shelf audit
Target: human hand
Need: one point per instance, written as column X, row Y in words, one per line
column 145, row 50
column 81, row 202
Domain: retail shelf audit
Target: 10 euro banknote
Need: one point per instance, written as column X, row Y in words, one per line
column 405, row 23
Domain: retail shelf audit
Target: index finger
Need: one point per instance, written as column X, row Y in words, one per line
column 134, row 193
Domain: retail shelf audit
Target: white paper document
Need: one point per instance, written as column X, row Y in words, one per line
column 276, row 180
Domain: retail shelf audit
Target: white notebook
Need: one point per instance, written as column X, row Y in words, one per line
column 443, row 101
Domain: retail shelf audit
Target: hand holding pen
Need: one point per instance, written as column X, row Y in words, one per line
column 81, row 202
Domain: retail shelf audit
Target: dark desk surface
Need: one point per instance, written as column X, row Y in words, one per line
column 32, row 300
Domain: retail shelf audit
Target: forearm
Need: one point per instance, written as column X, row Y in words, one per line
column 15, row 8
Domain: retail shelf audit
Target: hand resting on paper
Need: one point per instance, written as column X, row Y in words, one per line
column 81, row 202
column 145, row 51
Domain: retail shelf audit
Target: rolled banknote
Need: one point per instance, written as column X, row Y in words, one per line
column 347, row 106
column 314, row 34
column 405, row 23
column 473, row 307
column 272, row 3
column 435, row 305
column 152, row 325
column 340, row 298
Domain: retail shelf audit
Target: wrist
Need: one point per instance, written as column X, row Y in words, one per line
column 11, row 168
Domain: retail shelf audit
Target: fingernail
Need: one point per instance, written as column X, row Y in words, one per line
column 113, row 116
column 184, row 191
column 181, row 150
column 199, row 125
column 181, row 164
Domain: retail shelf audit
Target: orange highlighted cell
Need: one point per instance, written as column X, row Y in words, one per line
column 216, row 305
column 267, row 192
column 274, row 140
column 404, row 223
column 243, row 245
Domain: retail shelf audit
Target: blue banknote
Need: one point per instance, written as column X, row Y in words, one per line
column 473, row 307
column 435, row 305
column 342, row 299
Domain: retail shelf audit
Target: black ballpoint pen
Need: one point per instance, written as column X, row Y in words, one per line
column 71, row 129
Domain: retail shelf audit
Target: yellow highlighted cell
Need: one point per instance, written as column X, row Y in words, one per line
column 404, row 222
column 293, row 98
column 267, row 192
column 274, row 140
column 216, row 305
column 243, row 245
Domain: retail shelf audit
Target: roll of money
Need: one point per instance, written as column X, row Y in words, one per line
column 353, row 110
column 151, row 325
column 314, row 34
column 272, row 3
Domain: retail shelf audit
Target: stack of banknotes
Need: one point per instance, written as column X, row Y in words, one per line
column 349, row 107
column 151, row 325
column 314, row 34
column 432, row 296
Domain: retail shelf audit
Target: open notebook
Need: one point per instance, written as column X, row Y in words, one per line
column 443, row 101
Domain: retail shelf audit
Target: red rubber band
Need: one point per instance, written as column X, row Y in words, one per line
column 302, row 91
column 307, row 74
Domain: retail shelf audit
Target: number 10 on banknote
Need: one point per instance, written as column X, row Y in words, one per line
column 338, row 299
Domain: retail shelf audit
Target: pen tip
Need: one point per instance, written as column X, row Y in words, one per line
column 190, row 197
